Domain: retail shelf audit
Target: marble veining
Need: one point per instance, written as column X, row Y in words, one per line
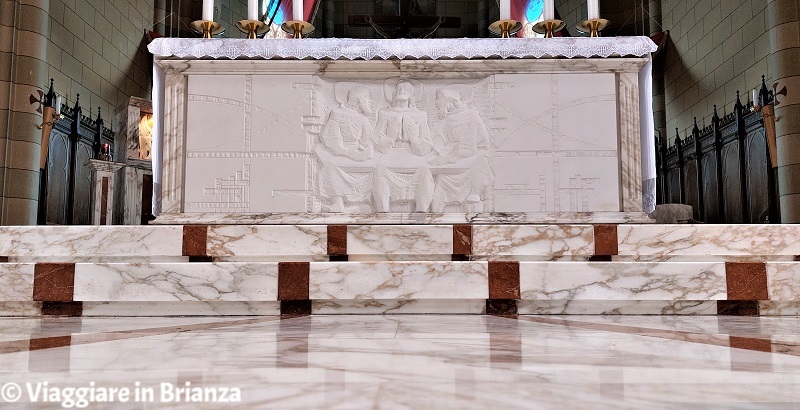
column 176, row 282
column 783, row 281
column 399, row 280
column 701, row 240
column 182, row 308
column 382, row 307
column 274, row 240
column 90, row 241
column 617, row 307
column 16, row 282
column 566, row 281
column 399, row 240
column 533, row 240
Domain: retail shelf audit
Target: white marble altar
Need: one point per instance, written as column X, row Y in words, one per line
column 531, row 138
column 103, row 190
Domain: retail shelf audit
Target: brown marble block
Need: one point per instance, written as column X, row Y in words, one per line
column 293, row 280
column 195, row 239
column 462, row 240
column 738, row 307
column 501, row 307
column 746, row 281
column 504, row 280
column 337, row 243
column 62, row 308
column 606, row 242
column 54, row 282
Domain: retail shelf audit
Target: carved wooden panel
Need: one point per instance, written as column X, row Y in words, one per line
column 732, row 183
column 758, row 177
column 710, row 189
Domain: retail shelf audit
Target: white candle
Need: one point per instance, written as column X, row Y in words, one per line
column 208, row 10
column 297, row 10
column 549, row 10
column 755, row 97
column 593, row 9
column 58, row 105
column 252, row 9
column 505, row 9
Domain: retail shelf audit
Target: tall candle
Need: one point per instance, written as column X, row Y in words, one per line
column 755, row 97
column 208, row 10
column 549, row 10
column 58, row 105
column 505, row 9
column 297, row 10
column 252, row 9
column 593, row 9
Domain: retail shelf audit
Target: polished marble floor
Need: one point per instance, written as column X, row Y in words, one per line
column 399, row 362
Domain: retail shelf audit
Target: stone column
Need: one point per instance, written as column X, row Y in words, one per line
column 24, row 25
column 103, row 197
column 783, row 21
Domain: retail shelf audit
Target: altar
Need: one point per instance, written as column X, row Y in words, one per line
column 400, row 131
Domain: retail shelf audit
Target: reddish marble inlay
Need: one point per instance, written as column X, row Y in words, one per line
column 54, row 282
column 293, row 280
column 504, row 280
column 747, row 281
column 337, row 240
column 195, row 238
column 605, row 240
column 462, row 239
column 62, row 308
column 104, row 202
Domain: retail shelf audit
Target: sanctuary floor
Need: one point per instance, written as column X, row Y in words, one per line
column 418, row 362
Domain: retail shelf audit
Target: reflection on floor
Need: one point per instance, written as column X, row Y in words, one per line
column 411, row 361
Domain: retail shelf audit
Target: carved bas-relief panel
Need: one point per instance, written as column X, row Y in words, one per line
column 479, row 142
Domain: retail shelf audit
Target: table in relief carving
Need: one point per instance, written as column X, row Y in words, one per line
column 400, row 131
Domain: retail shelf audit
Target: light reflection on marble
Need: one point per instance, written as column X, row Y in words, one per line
column 439, row 361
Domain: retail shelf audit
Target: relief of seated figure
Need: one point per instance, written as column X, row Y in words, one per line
column 344, row 151
column 403, row 139
column 462, row 144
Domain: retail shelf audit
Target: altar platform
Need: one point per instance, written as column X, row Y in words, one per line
column 501, row 269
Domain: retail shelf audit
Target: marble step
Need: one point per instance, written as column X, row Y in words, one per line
column 527, row 287
column 165, row 243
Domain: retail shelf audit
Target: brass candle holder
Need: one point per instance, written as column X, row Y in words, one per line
column 592, row 26
column 207, row 28
column 253, row 28
column 505, row 28
column 548, row 27
column 297, row 28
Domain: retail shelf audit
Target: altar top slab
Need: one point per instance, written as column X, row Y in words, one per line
column 383, row 49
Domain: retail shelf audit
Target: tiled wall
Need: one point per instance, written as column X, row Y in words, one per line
column 716, row 48
column 97, row 49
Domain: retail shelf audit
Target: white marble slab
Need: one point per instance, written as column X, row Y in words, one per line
column 60, row 242
column 779, row 308
column 269, row 240
column 182, row 308
column 176, row 282
column 566, row 281
column 27, row 309
column 411, row 307
column 709, row 239
column 616, row 307
column 533, row 240
column 783, row 281
column 16, row 282
column 399, row 280
column 399, row 240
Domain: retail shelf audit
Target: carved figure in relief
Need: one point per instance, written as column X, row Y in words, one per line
column 403, row 136
column 462, row 144
column 146, row 136
column 345, row 145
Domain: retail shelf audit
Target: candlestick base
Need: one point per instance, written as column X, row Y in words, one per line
column 592, row 26
column 253, row 28
column 548, row 27
column 207, row 28
column 297, row 28
column 505, row 28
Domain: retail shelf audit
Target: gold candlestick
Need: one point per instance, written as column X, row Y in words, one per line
column 505, row 28
column 548, row 27
column 207, row 28
column 592, row 26
column 253, row 28
column 297, row 28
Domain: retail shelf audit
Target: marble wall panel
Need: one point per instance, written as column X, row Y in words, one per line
column 60, row 242
column 399, row 240
column 383, row 307
column 169, row 282
column 567, row 281
column 279, row 241
column 16, row 282
column 182, row 308
column 617, row 307
column 700, row 240
column 399, row 280
column 533, row 240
